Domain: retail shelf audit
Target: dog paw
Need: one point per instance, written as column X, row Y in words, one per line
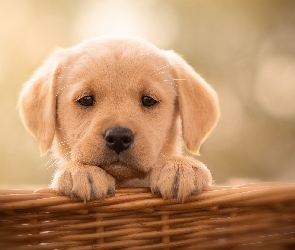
column 179, row 178
column 83, row 181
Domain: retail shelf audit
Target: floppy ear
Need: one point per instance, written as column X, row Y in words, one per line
column 198, row 103
column 37, row 103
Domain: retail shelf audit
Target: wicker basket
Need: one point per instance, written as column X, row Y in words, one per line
column 257, row 216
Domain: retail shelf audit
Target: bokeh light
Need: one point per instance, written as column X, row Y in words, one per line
column 145, row 19
column 275, row 85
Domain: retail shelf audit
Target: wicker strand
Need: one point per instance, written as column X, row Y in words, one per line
column 256, row 216
column 165, row 228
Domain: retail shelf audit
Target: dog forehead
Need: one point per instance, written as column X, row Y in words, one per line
column 118, row 45
column 119, row 53
column 115, row 64
column 115, row 61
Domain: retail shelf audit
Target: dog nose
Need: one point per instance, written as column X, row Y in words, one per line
column 118, row 139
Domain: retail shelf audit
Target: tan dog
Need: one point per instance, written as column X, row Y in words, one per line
column 109, row 109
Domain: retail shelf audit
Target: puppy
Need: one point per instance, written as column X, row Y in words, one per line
column 112, row 110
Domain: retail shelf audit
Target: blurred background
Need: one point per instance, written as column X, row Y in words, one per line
column 244, row 48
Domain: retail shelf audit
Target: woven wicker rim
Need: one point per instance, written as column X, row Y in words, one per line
column 142, row 199
column 255, row 216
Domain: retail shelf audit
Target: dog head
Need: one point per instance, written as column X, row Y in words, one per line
column 115, row 103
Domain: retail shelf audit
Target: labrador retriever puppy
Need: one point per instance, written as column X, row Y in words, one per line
column 113, row 110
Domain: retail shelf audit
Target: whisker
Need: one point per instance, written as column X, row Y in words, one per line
column 164, row 67
column 168, row 82
column 54, row 160
column 59, row 144
column 161, row 72
column 63, row 88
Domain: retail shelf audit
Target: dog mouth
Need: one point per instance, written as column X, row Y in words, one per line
column 122, row 167
column 122, row 171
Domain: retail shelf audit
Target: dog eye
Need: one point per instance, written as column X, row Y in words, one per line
column 148, row 101
column 86, row 101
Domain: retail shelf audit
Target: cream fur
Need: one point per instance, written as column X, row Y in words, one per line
column 117, row 72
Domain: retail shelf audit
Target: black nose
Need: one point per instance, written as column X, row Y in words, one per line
column 118, row 139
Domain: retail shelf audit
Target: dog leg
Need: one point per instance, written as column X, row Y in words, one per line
column 179, row 178
column 83, row 181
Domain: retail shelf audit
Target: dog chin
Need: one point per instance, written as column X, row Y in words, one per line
column 123, row 172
